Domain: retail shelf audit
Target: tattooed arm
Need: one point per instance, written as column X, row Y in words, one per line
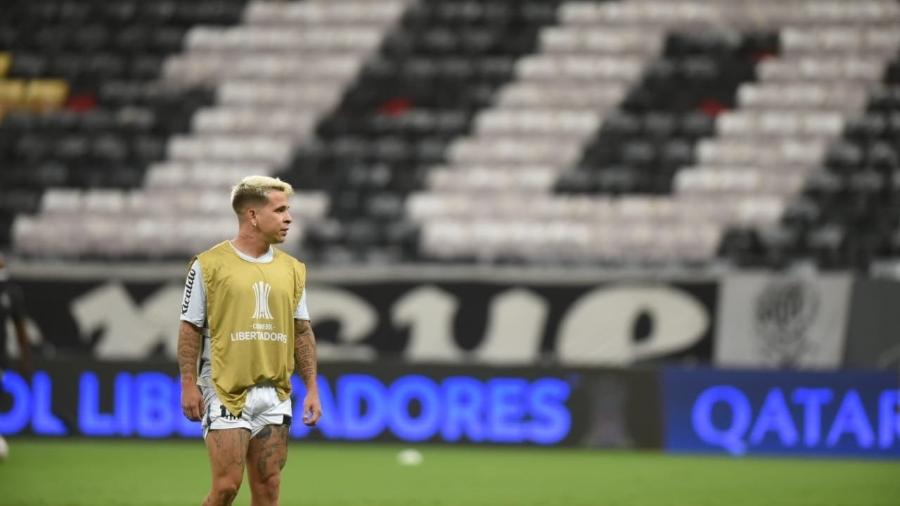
column 26, row 363
column 305, row 362
column 189, row 339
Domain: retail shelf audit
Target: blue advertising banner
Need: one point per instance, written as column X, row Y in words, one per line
column 782, row 413
column 386, row 402
column 412, row 407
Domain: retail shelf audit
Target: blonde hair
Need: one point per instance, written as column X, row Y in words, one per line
column 255, row 189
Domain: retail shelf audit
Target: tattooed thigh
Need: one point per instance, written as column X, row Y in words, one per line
column 268, row 450
column 227, row 449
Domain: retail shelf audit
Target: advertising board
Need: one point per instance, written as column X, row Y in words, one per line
column 439, row 404
column 782, row 413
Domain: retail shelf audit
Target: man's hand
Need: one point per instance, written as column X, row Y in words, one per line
column 191, row 401
column 312, row 409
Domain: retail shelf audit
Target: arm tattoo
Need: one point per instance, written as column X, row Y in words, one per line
column 305, row 351
column 23, row 338
column 189, row 339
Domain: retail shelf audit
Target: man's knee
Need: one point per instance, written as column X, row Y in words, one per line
column 224, row 490
column 268, row 486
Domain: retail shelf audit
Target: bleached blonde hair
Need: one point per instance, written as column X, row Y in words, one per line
column 255, row 189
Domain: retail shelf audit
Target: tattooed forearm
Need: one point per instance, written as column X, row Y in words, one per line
column 305, row 352
column 189, row 339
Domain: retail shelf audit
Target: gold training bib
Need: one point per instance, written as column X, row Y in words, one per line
column 250, row 312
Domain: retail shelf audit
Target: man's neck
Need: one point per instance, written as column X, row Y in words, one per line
column 250, row 246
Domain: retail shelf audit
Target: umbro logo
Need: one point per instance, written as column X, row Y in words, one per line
column 188, row 289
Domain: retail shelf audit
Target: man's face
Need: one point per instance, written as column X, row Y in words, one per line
column 273, row 219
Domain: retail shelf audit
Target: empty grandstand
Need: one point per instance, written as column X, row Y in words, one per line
column 466, row 131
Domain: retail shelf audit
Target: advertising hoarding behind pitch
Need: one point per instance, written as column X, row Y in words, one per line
column 701, row 410
column 782, row 413
column 437, row 404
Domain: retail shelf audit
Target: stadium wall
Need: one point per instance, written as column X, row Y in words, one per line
column 514, row 318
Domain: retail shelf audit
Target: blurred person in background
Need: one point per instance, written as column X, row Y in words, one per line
column 12, row 308
column 244, row 329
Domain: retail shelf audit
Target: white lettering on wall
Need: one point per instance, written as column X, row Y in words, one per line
column 428, row 311
column 515, row 326
column 128, row 330
column 598, row 328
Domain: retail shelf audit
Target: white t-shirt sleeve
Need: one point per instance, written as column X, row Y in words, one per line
column 193, row 304
column 302, row 312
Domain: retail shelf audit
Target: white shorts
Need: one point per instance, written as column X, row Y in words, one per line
column 262, row 408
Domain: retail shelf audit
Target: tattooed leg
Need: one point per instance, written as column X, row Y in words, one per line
column 227, row 451
column 265, row 460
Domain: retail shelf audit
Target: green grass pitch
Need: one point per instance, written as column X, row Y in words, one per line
column 99, row 473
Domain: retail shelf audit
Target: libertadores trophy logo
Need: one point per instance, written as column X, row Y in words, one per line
column 261, row 291
column 785, row 310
